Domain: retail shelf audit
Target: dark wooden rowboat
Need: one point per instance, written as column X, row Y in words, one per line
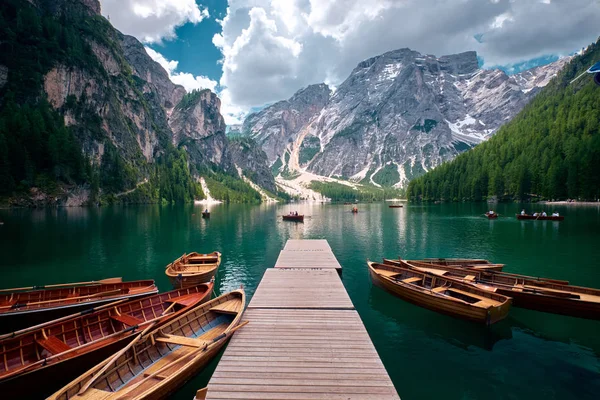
column 56, row 352
column 19, row 309
column 491, row 216
column 396, row 206
column 541, row 294
column 296, row 218
column 355, row 210
column 205, row 214
column 540, row 218
column 468, row 270
column 158, row 363
column 193, row 269
column 441, row 294
column 459, row 263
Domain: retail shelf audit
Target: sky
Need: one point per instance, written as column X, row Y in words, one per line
column 256, row 52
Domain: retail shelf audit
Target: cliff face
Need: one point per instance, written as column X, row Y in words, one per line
column 121, row 106
column 199, row 127
column 278, row 125
column 247, row 155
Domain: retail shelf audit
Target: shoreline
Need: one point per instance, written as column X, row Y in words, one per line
column 570, row 203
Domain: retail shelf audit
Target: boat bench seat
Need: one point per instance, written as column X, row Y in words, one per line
column 470, row 278
column 439, row 289
column 228, row 307
column 411, row 280
column 186, row 299
column 54, row 345
column 181, row 340
column 486, row 303
column 127, row 319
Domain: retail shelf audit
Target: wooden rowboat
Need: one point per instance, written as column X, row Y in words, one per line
column 355, row 210
column 19, row 309
column 396, row 206
column 540, row 218
column 296, row 218
column 54, row 353
column 193, row 269
column 478, row 264
column 205, row 214
column 441, row 294
column 491, row 216
column 158, row 363
column 541, row 294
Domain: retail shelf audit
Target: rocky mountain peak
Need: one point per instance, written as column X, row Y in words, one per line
column 396, row 116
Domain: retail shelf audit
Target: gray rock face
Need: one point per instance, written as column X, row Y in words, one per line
column 130, row 103
column 276, row 126
column 398, row 115
column 199, row 126
column 252, row 160
column 155, row 77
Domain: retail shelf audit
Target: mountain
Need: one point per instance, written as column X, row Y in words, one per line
column 277, row 126
column 550, row 150
column 395, row 117
column 86, row 115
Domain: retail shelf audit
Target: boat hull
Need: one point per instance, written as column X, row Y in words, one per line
column 547, row 218
column 295, row 218
column 396, row 206
column 491, row 216
column 16, row 321
column 186, row 281
column 49, row 380
column 441, row 305
column 553, row 305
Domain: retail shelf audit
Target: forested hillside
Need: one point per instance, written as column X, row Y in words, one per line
column 83, row 115
column 551, row 150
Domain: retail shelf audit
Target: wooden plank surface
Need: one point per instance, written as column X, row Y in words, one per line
column 301, row 354
column 307, row 245
column 304, row 339
column 307, row 259
column 305, row 288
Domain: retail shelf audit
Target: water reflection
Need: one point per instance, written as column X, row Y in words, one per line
column 421, row 321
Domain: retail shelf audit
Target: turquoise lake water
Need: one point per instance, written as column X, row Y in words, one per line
column 529, row 355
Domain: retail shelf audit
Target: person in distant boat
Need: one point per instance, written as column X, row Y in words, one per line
column 296, row 213
column 523, row 212
column 206, row 211
column 536, row 214
column 555, row 214
column 491, row 212
column 544, row 214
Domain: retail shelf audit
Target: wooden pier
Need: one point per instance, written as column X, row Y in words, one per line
column 305, row 340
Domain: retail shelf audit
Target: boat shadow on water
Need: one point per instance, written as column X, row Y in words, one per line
column 457, row 332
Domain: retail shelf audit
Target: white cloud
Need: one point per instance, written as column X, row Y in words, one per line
column 187, row 80
column 152, row 20
column 272, row 48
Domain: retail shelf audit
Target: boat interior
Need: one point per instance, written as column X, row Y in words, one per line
column 71, row 295
column 163, row 352
column 85, row 333
column 440, row 286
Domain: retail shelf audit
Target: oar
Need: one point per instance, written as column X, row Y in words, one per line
column 43, row 325
column 64, row 299
column 100, row 282
column 109, row 362
column 207, row 345
column 201, row 394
